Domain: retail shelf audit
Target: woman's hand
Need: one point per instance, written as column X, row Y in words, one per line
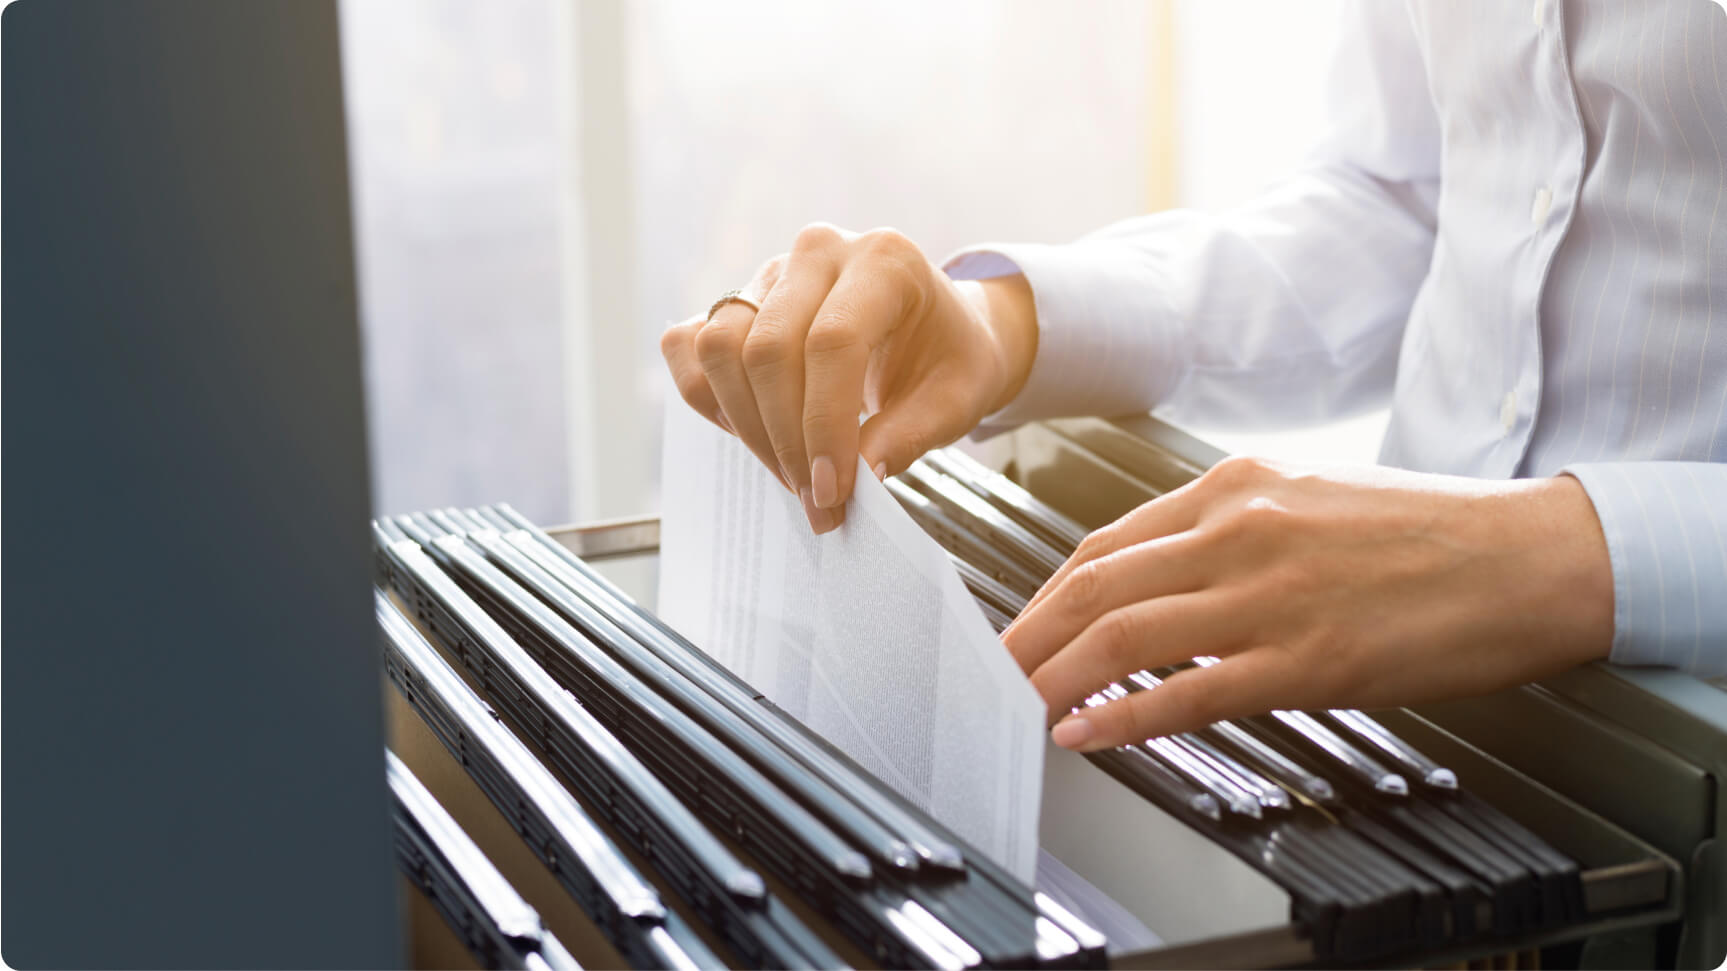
column 1337, row 588
column 851, row 324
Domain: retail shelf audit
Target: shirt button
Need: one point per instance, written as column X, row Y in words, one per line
column 1542, row 206
column 1508, row 411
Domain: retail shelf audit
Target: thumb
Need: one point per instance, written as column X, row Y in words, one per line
column 895, row 437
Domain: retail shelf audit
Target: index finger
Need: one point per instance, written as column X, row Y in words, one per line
column 858, row 313
column 1145, row 571
column 1250, row 683
column 1166, row 515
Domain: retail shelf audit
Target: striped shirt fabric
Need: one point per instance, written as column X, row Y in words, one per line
column 1515, row 229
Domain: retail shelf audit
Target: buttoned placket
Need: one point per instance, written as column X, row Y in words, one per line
column 1551, row 206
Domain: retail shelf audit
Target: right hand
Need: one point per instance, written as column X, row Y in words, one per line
column 853, row 323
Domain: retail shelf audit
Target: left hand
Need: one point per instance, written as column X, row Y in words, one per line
column 1320, row 588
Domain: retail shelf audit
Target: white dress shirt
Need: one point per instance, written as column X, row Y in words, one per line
column 1515, row 229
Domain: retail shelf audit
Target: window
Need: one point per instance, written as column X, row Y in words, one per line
column 542, row 187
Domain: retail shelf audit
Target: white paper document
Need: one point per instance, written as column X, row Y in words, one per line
column 866, row 634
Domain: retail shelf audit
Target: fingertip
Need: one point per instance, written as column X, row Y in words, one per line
column 820, row 520
column 1008, row 639
column 827, row 520
column 876, row 463
column 811, row 513
column 1073, row 732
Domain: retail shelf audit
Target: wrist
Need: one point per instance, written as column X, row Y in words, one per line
column 1594, row 568
column 1008, row 312
column 1572, row 572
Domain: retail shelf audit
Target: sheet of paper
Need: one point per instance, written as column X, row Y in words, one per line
column 866, row 633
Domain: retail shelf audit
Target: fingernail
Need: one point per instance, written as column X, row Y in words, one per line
column 1072, row 732
column 824, row 484
column 880, row 471
column 721, row 419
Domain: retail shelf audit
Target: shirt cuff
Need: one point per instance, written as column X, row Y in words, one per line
column 1105, row 342
column 1668, row 547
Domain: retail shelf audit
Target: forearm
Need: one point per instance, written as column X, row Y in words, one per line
column 1287, row 309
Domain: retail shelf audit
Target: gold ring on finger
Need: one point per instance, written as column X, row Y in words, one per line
column 730, row 296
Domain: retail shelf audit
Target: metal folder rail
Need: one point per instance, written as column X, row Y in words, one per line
column 626, row 907
column 499, row 928
column 727, row 894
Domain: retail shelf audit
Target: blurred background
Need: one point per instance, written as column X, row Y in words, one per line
column 542, row 186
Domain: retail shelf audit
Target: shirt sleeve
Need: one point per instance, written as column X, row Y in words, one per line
column 1666, row 532
column 1287, row 309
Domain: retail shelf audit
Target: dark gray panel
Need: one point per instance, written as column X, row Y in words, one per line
column 192, row 729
